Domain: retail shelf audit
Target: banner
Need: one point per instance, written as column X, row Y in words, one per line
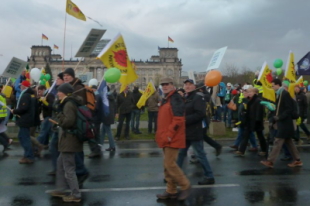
column 15, row 68
column 149, row 90
column 290, row 73
column 304, row 65
column 114, row 54
column 217, row 58
column 265, row 76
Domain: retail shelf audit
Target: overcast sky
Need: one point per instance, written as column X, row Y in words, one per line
column 253, row 30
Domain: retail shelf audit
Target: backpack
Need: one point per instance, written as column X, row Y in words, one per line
column 90, row 98
column 295, row 113
column 222, row 90
column 85, row 129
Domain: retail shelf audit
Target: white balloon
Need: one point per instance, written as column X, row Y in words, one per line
column 35, row 74
column 93, row 82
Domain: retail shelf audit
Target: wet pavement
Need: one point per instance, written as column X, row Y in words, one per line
column 133, row 175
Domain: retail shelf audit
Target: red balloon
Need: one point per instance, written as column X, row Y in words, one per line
column 213, row 78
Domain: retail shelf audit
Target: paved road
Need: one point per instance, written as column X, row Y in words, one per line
column 133, row 175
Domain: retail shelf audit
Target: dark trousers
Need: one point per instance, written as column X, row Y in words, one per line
column 209, row 140
column 152, row 118
column 120, row 124
column 93, row 145
column 246, row 137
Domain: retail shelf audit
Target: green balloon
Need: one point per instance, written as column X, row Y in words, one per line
column 112, row 75
column 306, row 83
column 43, row 82
column 279, row 71
column 47, row 77
column 278, row 63
column 42, row 77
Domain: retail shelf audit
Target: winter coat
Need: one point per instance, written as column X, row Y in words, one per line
column 254, row 118
column 152, row 102
column 124, row 104
column 302, row 104
column 195, row 112
column 136, row 96
column 47, row 109
column 78, row 86
column 171, row 122
column 285, row 122
column 27, row 110
column 66, row 118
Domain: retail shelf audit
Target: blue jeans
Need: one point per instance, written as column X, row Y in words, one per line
column 239, row 138
column 107, row 129
column 24, row 139
column 218, row 113
column 80, row 168
column 45, row 130
column 152, row 117
column 227, row 115
column 135, row 120
column 200, row 154
column 54, row 149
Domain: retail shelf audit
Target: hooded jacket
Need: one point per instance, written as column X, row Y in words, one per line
column 27, row 109
column 171, row 122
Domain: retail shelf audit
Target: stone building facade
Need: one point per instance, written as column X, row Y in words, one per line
column 166, row 64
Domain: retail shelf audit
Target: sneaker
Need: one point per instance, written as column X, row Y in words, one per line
column 267, row 163
column 166, row 195
column 239, row 154
column 71, row 198
column 184, row 193
column 295, row 164
column 207, row 181
column 25, row 161
column 57, row 193
column 110, row 149
column 218, row 151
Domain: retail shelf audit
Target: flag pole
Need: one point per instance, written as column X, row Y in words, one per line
column 41, row 41
column 64, row 43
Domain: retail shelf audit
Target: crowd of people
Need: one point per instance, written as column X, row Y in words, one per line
column 179, row 118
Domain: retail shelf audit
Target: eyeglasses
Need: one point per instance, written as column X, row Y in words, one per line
column 164, row 84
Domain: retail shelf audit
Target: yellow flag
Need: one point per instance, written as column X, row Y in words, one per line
column 265, row 76
column 115, row 55
column 290, row 73
column 291, row 88
column 269, row 94
column 149, row 90
column 74, row 10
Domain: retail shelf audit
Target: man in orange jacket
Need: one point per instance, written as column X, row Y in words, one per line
column 170, row 136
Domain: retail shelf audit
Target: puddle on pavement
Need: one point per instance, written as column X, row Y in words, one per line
column 33, row 181
column 268, row 171
column 21, row 201
column 139, row 154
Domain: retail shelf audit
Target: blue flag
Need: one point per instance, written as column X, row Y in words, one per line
column 304, row 65
column 103, row 92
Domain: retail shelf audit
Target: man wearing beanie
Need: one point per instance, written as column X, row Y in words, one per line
column 25, row 109
column 68, row 145
column 78, row 90
column 69, row 77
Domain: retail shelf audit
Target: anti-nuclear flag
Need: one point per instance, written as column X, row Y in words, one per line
column 149, row 90
column 74, row 10
column 114, row 54
column 290, row 73
column 291, row 88
column 265, row 77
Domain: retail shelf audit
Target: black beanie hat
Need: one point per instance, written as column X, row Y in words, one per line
column 66, row 88
column 69, row 71
column 61, row 75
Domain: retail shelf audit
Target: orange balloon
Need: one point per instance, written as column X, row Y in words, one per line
column 213, row 78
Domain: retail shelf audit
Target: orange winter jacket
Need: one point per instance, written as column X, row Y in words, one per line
column 171, row 122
